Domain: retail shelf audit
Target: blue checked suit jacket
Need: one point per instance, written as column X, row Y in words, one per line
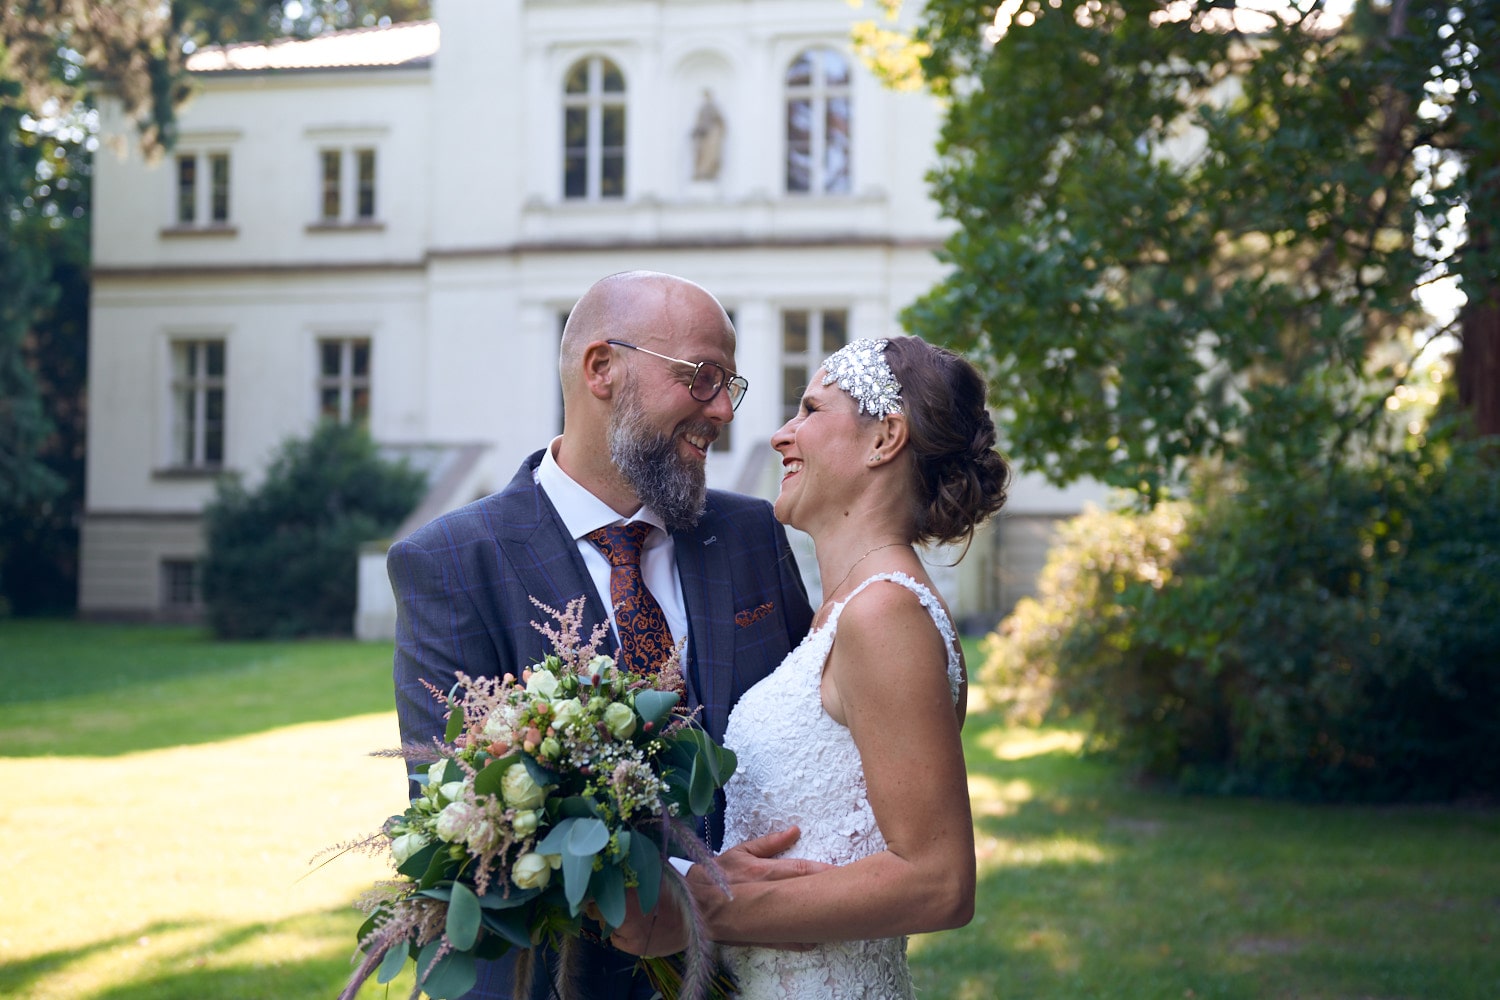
column 463, row 584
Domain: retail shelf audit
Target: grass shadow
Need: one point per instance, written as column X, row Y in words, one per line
column 242, row 961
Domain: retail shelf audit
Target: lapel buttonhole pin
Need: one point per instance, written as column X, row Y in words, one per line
column 710, row 539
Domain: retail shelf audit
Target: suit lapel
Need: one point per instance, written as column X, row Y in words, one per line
column 538, row 549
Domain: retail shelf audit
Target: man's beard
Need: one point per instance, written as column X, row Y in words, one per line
column 662, row 479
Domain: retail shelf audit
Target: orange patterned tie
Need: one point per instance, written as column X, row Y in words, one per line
column 645, row 640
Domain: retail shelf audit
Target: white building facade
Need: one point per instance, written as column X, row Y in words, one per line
column 389, row 225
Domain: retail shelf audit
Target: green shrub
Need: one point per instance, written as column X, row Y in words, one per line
column 282, row 559
column 1332, row 637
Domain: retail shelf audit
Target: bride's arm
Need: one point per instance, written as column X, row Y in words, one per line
column 887, row 681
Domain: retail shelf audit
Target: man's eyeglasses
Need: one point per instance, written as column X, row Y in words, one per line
column 708, row 377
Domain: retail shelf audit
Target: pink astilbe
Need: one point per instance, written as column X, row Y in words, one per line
column 567, row 635
column 418, row 919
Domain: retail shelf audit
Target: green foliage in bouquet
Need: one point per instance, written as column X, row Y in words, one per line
column 554, row 795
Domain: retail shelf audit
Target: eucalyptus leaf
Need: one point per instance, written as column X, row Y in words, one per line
column 392, row 962
column 557, row 837
column 462, row 925
column 451, row 976
column 608, row 889
column 510, row 925
column 577, row 870
column 654, row 706
column 587, row 838
column 455, row 720
column 645, row 859
column 539, row 772
column 701, row 789
column 416, row 866
column 498, row 900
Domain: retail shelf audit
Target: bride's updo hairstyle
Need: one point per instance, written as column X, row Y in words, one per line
column 960, row 478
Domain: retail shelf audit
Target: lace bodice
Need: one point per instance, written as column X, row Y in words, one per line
column 797, row 765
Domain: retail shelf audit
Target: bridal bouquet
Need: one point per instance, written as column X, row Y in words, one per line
column 555, row 792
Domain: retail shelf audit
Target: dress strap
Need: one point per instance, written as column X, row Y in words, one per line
column 935, row 610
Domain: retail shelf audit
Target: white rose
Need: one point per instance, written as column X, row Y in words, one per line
column 531, row 871
column 597, row 667
column 435, row 772
column 620, row 719
column 567, row 713
column 452, row 790
column 526, row 822
column 454, row 820
column 519, row 791
column 406, row 845
column 542, row 682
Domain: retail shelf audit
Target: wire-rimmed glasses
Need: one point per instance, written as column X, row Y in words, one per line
column 708, row 377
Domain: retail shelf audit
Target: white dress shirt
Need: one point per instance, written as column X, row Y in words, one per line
column 582, row 512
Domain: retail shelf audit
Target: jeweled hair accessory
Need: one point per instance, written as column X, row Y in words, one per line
column 860, row 370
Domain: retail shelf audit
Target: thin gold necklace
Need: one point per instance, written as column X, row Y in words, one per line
column 829, row 598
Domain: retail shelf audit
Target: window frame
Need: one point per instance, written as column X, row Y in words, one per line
column 817, row 346
column 597, row 104
column 819, row 96
column 203, row 201
column 348, row 194
column 197, row 440
column 347, row 382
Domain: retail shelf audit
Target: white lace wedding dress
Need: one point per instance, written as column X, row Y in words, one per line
column 798, row 766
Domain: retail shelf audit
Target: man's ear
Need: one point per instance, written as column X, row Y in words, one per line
column 600, row 373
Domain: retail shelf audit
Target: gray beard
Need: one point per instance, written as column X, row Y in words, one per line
column 670, row 485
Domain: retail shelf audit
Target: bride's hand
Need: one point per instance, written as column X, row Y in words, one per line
column 754, row 861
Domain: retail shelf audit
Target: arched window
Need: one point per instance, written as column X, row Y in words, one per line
column 817, row 123
column 594, row 130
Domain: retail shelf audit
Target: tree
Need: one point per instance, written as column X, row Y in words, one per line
column 282, row 558
column 215, row 22
column 1189, row 230
column 57, row 57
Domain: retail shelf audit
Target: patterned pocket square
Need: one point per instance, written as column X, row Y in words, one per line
column 748, row 617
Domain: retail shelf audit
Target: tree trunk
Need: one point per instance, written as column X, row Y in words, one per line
column 1479, row 365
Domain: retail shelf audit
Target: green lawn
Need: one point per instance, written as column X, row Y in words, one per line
column 166, row 794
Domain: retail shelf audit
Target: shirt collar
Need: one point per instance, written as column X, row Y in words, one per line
column 580, row 510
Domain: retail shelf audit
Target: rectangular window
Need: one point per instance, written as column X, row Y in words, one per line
column 198, row 403
column 346, row 186
column 344, row 380
column 202, row 192
column 807, row 337
column 218, row 168
column 332, row 162
column 187, row 190
column 179, row 584
column 365, row 170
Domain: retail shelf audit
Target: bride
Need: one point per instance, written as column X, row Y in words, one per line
column 854, row 739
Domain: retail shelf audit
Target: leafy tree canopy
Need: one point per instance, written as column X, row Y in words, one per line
column 1193, row 229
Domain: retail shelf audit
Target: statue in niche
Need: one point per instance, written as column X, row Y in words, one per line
column 708, row 139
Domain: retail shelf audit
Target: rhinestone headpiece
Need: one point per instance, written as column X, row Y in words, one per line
column 860, row 370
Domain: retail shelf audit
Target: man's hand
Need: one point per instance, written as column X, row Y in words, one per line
column 663, row 931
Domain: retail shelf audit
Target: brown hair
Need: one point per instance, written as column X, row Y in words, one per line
column 960, row 478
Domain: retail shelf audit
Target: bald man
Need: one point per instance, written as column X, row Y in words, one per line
column 648, row 380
